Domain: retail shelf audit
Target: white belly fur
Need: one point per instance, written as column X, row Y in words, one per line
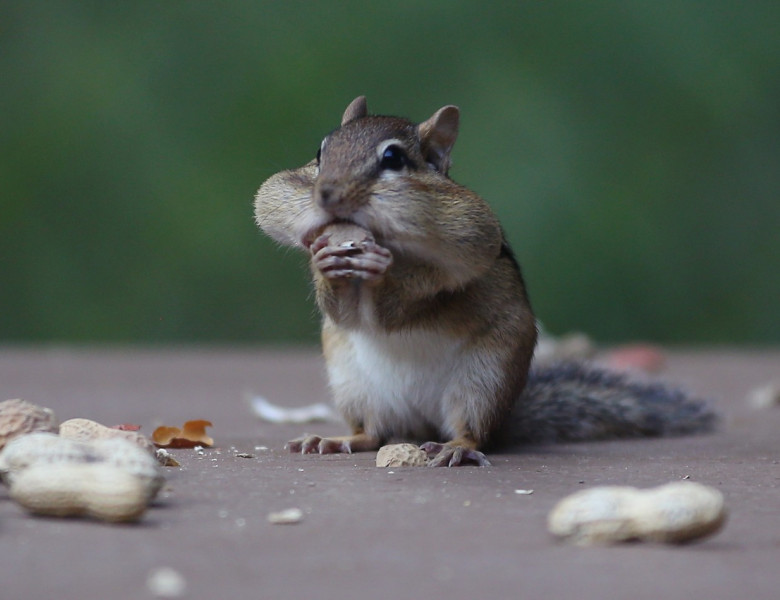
column 397, row 381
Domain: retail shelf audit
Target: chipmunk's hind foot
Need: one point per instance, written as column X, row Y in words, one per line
column 447, row 455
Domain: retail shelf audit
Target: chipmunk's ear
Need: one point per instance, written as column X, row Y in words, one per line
column 438, row 135
column 356, row 109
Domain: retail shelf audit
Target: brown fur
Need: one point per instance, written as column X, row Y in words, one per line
column 449, row 273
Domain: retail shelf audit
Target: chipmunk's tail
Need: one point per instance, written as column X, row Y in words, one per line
column 570, row 402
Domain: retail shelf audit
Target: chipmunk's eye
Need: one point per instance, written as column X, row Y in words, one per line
column 393, row 158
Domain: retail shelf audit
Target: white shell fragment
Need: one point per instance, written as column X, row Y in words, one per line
column 165, row 458
column 764, row 397
column 401, row 455
column 165, row 582
column 289, row 516
column 278, row 414
column 672, row 513
column 574, row 346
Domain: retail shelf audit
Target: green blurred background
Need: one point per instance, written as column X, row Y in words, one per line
column 630, row 148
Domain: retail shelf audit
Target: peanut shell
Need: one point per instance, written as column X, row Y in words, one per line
column 401, row 455
column 97, row 490
column 672, row 513
column 18, row 417
column 87, row 430
column 347, row 235
column 41, row 449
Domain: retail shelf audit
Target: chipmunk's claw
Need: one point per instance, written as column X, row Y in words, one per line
column 314, row 444
column 444, row 455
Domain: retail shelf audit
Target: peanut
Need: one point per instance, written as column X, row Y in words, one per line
column 47, row 448
column 97, row 490
column 673, row 513
column 347, row 235
column 401, row 455
column 52, row 453
column 87, row 430
column 18, row 417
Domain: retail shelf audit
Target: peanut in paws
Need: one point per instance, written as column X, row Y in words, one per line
column 347, row 251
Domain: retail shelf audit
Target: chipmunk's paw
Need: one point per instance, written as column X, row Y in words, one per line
column 350, row 260
column 314, row 444
column 444, row 455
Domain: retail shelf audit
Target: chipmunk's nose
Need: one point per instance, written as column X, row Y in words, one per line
column 326, row 194
column 332, row 197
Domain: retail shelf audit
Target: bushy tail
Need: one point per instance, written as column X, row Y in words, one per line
column 569, row 402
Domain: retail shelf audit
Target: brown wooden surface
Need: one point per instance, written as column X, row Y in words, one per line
column 379, row 533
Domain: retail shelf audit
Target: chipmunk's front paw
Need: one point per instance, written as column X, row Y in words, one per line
column 350, row 260
column 444, row 455
column 314, row 444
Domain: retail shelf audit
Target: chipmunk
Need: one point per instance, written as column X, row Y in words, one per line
column 428, row 332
